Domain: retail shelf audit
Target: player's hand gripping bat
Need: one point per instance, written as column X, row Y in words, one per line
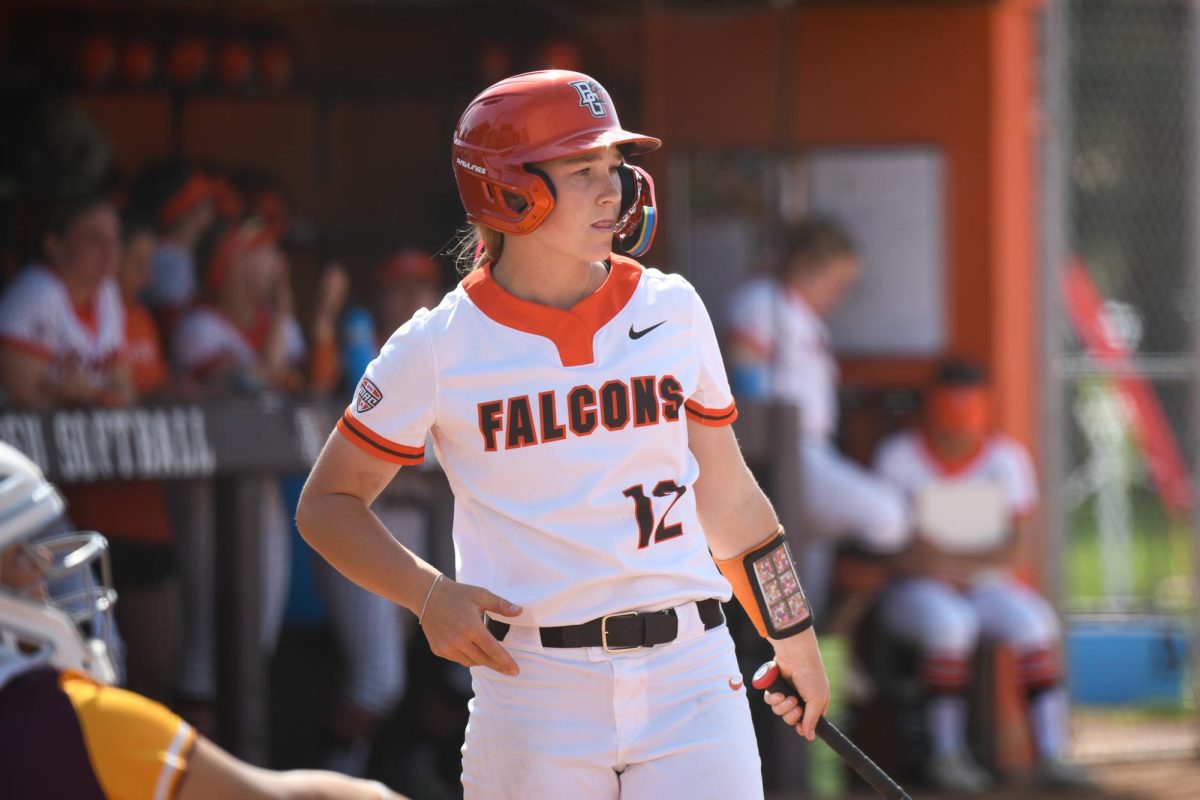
column 768, row 679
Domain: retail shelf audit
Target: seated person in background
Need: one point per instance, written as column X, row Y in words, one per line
column 408, row 281
column 143, row 343
column 181, row 200
column 779, row 336
column 244, row 338
column 64, row 732
column 62, row 323
column 248, row 340
column 134, row 514
column 973, row 492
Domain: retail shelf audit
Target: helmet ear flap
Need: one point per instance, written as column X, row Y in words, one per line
column 515, row 206
column 532, row 170
column 637, row 221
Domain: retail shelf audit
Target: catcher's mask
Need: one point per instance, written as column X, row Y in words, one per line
column 68, row 628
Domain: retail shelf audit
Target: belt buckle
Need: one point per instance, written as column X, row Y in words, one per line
column 604, row 633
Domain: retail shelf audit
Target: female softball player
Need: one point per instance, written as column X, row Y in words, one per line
column 579, row 407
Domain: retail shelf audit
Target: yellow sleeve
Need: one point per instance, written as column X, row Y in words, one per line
column 139, row 750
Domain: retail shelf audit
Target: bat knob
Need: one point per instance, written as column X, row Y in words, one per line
column 764, row 676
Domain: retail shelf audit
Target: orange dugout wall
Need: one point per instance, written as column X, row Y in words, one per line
column 957, row 76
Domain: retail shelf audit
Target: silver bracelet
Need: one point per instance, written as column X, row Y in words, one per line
column 428, row 594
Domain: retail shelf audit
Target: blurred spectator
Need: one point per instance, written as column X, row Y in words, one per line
column 228, row 202
column 134, row 514
column 62, row 325
column 180, row 199
column 245, row 338
column 370, row 629
column 143, row 344
column 66, row 343
column 409, row 280
column 242, row 339
column 973, row 493
column 332, row 291
column 781, row 350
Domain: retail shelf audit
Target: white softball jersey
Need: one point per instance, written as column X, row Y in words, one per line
column 905, row 461
column 38, row 316
column 205, row 337
column 941, row 619
column 780, row 326
column 563, row 434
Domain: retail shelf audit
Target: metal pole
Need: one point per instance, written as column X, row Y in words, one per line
column 1192, row 249
column 1055, row 249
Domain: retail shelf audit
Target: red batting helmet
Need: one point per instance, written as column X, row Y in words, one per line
column 537, row 116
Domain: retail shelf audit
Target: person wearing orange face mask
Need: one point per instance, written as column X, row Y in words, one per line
column 972, row 493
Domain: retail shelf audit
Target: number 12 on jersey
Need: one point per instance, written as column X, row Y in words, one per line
column 643, row 510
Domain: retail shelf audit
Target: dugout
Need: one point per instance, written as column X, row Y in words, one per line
column 371, row 91
column 372, row 88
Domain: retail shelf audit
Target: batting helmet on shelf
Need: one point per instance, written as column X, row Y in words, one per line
column 542, row 116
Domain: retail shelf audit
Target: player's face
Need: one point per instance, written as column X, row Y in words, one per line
column 90, row 250
column 22, row 569
column 833, row 283
column 587, row 201
column 260, row 269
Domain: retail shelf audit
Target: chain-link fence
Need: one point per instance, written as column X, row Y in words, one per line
column 1122, row 350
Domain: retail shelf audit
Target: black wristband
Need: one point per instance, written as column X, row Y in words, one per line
column 776, row 584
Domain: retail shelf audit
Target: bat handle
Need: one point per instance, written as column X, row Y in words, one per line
column 769, row 679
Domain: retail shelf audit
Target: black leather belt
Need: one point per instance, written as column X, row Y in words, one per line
column 628, row 631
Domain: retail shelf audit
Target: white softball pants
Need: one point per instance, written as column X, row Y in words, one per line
column 843, row 502
column 667, row 721
column 939, row 619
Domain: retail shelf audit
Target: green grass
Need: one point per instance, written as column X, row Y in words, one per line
column 1162, row 560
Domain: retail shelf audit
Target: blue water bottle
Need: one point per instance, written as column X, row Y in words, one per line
column 358, row 344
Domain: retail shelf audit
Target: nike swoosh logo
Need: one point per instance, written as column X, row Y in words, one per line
column 639, row 334
column 735, row 686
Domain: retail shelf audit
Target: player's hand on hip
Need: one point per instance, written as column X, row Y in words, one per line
column 453, row 624
column 799, row 661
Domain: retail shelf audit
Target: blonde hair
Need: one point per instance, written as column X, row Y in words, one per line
column 467, row 253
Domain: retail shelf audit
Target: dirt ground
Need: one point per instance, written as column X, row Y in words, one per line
column 1130, row 780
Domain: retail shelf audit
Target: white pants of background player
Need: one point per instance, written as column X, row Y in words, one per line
column 843, row 501
column 944, row 623
column 667, row 721
column 369, row 628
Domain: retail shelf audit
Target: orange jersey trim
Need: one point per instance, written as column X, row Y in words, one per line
column 712, row 417
column 370, row 442
column 572, row 330
column 951, row 467
column 27, row 347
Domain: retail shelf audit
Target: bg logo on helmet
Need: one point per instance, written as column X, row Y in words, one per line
column 589, row 98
